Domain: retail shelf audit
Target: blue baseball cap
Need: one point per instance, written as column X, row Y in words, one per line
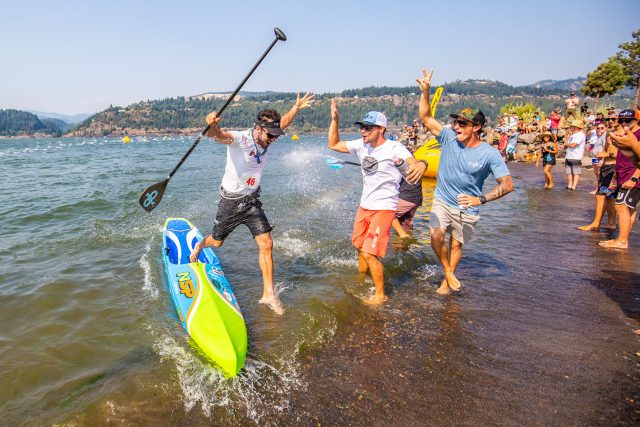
column 373, row 118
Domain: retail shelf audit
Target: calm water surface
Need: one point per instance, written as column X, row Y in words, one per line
column 542, row 333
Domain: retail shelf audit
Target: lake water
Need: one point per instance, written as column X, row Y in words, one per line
column 542, row 334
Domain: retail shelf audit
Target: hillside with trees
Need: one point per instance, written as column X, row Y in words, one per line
column 22, row 123
column 400, row 104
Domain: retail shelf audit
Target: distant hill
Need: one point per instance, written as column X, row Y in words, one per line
column 57, row 124
column 563, row 85
column 400, row 104
column 23, row 123
column 76, row 118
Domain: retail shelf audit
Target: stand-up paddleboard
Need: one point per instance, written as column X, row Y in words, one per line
column 203, row 297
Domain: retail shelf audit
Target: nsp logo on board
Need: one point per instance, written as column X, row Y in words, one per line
column 186, row 284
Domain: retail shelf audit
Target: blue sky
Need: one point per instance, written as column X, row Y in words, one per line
column 81, row 56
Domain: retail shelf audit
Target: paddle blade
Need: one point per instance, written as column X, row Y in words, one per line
column 332, row 160
column 335, row 166
column 152, row 195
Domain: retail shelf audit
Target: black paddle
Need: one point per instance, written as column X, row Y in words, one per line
column 153, row 195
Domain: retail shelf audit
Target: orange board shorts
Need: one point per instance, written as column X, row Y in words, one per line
column 371, row 231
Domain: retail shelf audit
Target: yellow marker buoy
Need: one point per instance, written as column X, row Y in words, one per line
column 295, row 137
column 126, row 139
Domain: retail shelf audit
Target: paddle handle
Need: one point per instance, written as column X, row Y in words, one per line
column 279, row 36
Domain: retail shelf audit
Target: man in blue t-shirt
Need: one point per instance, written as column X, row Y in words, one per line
column 465, row 163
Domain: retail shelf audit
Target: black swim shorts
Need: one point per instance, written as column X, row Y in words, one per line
column 233, row 212
column 604, row 179
column 628, row 196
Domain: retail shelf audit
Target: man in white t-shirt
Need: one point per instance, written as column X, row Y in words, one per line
column 247, row 154
column 381, row 179
column 575, row 151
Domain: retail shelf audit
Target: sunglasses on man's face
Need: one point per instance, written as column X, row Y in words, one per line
column 269, row 136
column 600, row 128
column 462, row 123
column 368, row 128
column 625, row 121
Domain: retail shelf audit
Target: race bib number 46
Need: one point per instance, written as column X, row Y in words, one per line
column 250, row 180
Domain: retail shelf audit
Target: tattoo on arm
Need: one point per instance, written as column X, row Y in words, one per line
column 504, row 187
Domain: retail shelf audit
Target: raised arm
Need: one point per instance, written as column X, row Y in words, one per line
column 215, row 132
column 334, row 136
column 426, row 117
column 300, row 104
column 629, row 144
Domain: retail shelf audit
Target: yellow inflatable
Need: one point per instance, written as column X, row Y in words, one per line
column 430, row 153
column 126, row 139
column 295, row 137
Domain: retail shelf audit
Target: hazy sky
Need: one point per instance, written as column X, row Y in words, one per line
column 80, row 56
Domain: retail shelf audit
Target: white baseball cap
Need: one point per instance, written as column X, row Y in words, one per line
column 373, row 118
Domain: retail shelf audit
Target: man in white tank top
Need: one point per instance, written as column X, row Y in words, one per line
column 247, row 154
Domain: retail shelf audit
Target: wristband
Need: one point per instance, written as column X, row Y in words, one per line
column 483, row 199
column 426, row 165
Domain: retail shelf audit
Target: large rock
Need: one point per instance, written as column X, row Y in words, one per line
column 528, row 138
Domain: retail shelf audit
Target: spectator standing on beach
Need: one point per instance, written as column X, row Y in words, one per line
column 612, row 119
column 512, row 143
column 381, row 181
column 554, row 118
column 584, row 108
column 575, row 151
column 502, row 144
column 547, row 153
column 599, row 139
column 571, row 108
column 465, row 163
column 606, row 189
column 628, row 178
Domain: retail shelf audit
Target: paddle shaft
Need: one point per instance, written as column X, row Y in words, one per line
column 226, row 104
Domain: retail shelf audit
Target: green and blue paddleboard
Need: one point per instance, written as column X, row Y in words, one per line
column 203, row 297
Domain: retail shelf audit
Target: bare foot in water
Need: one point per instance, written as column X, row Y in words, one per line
column 443, row 289
column 612, row 244
column 376, row 300
column 452, row 281
column 590, row 227
column 274, row 303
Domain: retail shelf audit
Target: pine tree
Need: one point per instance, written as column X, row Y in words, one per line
column 629, row 57
column 607, row 79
